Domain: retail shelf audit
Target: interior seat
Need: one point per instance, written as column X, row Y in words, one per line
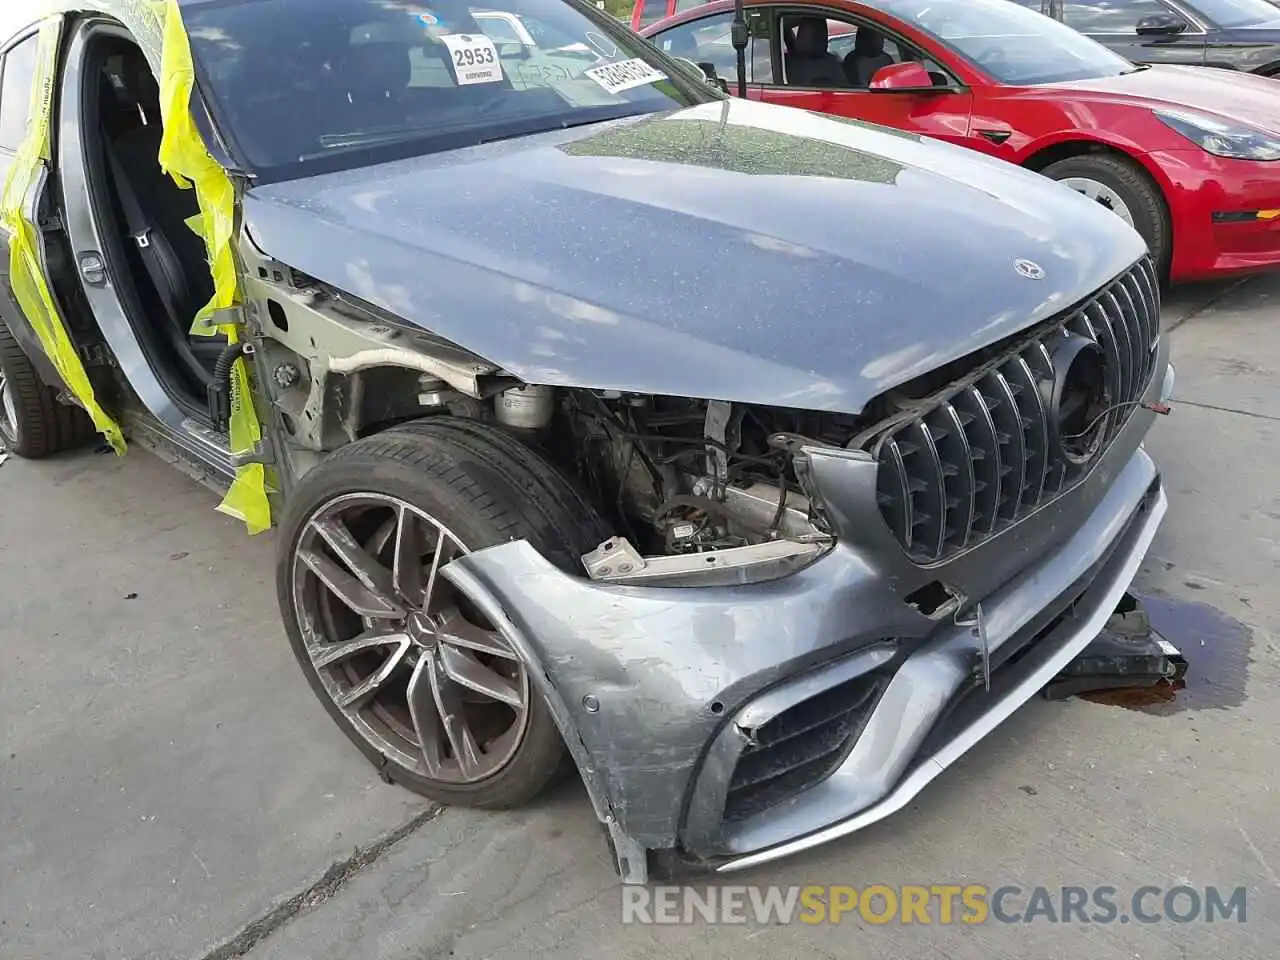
column 156, row 210
column 810, row 63
column 866, row 57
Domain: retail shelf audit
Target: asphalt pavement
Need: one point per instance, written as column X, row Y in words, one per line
column 169, row 788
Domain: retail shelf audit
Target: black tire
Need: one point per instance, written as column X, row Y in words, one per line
column 34, row 424
column 488, row 488
column 1135, row 188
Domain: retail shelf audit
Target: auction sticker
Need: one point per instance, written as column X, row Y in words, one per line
column 616, row 77
column 474, row 58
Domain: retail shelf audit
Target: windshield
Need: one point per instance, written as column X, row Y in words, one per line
column 306, row 86
column 1011, row 43
column 1238, row 13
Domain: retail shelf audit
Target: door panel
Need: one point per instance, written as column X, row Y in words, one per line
column 944, row 116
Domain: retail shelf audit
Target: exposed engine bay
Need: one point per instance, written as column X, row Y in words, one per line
column 697, row 490
column 712, row 482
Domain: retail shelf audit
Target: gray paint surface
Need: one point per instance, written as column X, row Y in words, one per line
column 733, row 250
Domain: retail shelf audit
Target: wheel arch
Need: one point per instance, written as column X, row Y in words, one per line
column 1042, row 156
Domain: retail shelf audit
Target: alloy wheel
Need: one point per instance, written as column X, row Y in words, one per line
column 404, row 656
column 1101, row 194
column 8, row 409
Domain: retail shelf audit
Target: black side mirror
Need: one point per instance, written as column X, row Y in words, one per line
column 709, row 71
column 1161, row 25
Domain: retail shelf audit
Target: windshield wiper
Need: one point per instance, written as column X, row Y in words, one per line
column 622, row 113
column 1137, row 68
column 365, row 138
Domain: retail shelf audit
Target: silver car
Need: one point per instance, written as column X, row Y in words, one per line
column 752, row 462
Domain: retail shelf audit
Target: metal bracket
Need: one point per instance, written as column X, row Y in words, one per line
column 977, row 625
column 631, row 858
column 263, row 452
column 617, row 561
column 227, row 316
column 613, row 558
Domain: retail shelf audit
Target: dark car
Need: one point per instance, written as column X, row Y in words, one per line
column 760, row 462
column 1232, row 34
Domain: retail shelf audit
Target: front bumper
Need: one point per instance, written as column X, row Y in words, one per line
column 914, row 707
column 1223, row 214
column 660, row 692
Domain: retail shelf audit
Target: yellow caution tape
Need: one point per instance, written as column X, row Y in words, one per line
column 184, row 157
column 26, row 273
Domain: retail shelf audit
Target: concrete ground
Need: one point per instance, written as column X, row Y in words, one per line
column 169, row 788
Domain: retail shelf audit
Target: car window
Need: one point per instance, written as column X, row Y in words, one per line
column 1014, row 45
column 651, row 11
column 304, row 86
column 15, row 93
column 1110, row 16
column 706, row 41
column 1239, row 13
column 760, row 25
column 497, row 28
column 842, row 39
column 842, row 36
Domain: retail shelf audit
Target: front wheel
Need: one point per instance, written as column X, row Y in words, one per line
column 1124, row 189
column 412, row 672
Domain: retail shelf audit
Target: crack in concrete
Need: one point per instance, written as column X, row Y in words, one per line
column 1213, row 301
column 323, row 889
column 1214, row 406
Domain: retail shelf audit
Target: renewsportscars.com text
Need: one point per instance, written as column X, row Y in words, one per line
column 941, row 904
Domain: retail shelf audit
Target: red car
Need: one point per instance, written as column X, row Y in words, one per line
column 1189, row 156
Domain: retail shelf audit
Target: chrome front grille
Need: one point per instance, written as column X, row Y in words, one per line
column 990, row 451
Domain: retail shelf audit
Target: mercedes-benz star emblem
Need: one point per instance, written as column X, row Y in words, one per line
column 1029, row 269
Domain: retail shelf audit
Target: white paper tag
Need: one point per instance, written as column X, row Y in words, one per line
column 616, row 77
column 474, row 58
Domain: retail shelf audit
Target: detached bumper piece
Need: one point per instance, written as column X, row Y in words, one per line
column 1128, row 654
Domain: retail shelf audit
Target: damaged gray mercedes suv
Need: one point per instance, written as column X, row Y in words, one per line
column 753, row 462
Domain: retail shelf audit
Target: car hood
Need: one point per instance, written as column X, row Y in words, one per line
column 732, row 250
column 1225, row 93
